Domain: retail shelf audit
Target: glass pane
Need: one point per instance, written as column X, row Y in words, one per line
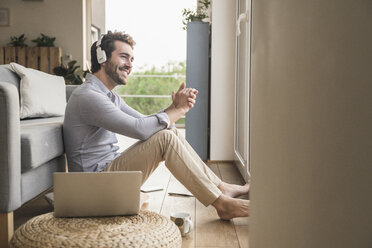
column 242, row 108
column 150, row 91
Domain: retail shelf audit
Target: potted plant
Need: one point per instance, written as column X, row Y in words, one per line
column 71, row 73
column 44, row 41
column 15, row 51
column 197, row 76
column 18, row 41
column 199, row 14
column 44, row 57
column 49, row 55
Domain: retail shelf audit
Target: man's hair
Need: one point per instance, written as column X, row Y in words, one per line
column 107, row 45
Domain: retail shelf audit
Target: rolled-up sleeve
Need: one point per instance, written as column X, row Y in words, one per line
column 99, row 111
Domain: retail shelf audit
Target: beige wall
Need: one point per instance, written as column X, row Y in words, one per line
column 98, row 15
column 311, row 124
column 95, row 15
column 222, row 80
column 60, row 19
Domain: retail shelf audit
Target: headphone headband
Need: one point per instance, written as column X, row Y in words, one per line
column 99, row 41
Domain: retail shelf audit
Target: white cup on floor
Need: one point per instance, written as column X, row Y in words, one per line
column 183, row 221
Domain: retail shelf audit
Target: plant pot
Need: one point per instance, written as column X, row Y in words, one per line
column 197, row 76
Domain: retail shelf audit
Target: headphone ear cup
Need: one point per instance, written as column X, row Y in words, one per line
column 101, row 55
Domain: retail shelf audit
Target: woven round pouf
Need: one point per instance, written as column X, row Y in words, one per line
column 147, row 229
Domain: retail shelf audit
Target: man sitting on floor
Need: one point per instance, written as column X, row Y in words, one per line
column 94, row 114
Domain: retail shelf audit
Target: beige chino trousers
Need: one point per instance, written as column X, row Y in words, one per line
column 180, row 158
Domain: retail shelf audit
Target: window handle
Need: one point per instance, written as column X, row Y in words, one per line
column 243, row 17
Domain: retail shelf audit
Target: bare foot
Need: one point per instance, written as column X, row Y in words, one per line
column 233, row 190
column 228, row 208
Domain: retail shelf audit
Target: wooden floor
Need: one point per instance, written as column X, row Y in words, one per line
column 208, row 231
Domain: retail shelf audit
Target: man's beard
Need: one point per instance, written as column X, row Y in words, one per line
column 112, row 71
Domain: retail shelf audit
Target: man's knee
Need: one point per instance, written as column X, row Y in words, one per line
column 165, row 136
column 174, row 130
column 166, row 133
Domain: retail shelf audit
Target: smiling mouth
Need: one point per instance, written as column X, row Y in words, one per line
column 125, row 70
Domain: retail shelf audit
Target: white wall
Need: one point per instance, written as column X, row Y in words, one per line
column 60, row 19
column 222, row 80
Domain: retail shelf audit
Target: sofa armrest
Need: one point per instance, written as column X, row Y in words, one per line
column 10, row 158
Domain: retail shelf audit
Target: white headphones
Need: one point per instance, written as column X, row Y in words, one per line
column 101, row 54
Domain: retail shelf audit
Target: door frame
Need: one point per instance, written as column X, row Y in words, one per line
column 243, row 163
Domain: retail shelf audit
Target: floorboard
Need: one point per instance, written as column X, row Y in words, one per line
column 160, row 177
column 173, row 204
column 243, row 237
column 230, row 174
column 211, row 231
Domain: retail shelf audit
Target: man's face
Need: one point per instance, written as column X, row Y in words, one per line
column 119, row 66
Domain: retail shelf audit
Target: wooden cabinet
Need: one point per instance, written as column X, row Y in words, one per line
column 39, row 58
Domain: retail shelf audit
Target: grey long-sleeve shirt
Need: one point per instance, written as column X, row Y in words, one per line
column 93, row 116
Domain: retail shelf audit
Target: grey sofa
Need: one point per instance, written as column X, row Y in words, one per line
column 31, row 151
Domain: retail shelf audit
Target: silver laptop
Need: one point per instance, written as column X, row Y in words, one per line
column 83, row 194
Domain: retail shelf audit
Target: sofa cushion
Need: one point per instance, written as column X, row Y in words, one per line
column 7, row 75
column 41, row 141
column 42, row 94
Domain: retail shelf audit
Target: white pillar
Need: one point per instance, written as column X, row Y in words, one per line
column 222, row 80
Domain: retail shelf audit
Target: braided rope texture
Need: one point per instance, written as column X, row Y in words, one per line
column 147, row 229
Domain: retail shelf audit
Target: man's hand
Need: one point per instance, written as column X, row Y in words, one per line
column 183, row 101
column 184, row 98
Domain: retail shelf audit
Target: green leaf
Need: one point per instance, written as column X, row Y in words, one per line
column 44, row 40
column 18, row 41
